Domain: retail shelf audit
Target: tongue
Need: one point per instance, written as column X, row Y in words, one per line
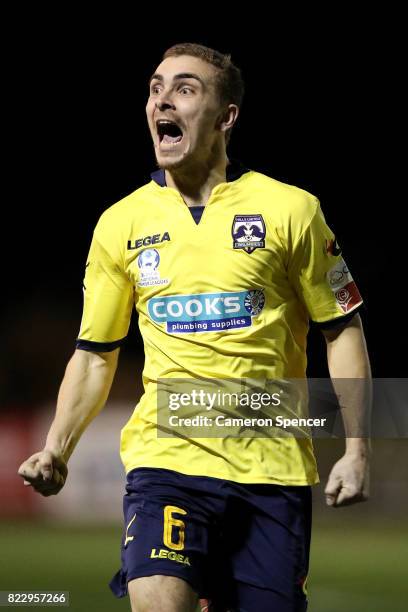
column 169, row 139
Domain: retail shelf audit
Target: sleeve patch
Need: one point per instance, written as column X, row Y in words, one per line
column 343, row 286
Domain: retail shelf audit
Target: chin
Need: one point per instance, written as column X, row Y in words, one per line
column 171, row 163
column 173, row 160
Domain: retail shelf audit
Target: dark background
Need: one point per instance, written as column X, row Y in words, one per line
column 323, row 111
column 320, row 106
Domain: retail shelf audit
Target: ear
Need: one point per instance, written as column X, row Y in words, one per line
column 227, row 119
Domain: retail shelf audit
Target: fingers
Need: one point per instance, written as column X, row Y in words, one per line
column 332, row 490
column 340, row 494
column 52, row 488
column 49, row 487
column 350, row 495
column 45, row 465
column 44, row 472
column 29, row 468
column 348, row 481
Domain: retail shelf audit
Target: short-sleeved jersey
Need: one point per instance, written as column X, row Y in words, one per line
column 230, row 296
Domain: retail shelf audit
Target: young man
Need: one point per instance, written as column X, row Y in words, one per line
column 226, row 266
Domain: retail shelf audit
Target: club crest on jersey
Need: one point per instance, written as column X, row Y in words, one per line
column 148, row 263
column 248, row 232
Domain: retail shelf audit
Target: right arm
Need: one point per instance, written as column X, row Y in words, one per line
column 108, row 304
column 83, row 393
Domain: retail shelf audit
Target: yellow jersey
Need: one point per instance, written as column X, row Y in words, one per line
column 228, row 297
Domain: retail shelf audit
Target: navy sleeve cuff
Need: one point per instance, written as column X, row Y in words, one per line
column 99, row 347
column 338, row 322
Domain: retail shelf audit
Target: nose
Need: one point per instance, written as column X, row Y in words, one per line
column 163, row 102
column 164, row 105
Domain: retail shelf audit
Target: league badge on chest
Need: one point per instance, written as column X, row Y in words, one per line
column 248, row 232
column 148, row 263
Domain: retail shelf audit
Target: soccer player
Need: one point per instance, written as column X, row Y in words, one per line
column 226, row 266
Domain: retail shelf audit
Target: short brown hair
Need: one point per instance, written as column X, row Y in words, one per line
column 229, row 81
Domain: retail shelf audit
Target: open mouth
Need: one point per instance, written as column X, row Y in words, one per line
column 168, row 132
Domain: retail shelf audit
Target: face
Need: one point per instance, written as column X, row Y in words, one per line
column 183, row 111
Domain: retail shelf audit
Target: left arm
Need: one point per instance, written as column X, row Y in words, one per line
column 350, row 372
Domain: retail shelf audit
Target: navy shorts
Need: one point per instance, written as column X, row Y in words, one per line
column 242, row 546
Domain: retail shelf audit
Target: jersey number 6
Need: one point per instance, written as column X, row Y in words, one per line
column 169, row 523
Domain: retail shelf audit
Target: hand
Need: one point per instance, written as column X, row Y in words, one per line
column 348, row 482
column 45, row 471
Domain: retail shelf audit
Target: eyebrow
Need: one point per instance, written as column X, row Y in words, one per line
column 182, row 75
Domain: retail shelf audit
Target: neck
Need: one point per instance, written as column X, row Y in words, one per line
column 196, row 182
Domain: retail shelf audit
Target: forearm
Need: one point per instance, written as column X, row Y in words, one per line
column 82, row 395
column 350, row 372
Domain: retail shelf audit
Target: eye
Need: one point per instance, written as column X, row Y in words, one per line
column 185, row 89
column 155, row 89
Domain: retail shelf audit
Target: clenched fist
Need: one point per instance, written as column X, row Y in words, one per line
column 45, row 471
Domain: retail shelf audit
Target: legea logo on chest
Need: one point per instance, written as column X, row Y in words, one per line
column 147, row 240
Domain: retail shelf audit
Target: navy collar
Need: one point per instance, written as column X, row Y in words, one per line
column 235, row 170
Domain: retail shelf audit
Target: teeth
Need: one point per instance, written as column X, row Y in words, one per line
column 162, row 127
